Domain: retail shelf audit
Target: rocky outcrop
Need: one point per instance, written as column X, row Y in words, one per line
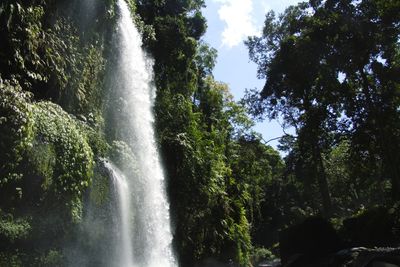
column 315, row 238
column 315, row 243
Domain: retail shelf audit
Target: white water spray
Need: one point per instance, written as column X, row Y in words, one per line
column 150, row 237
column 123, row 249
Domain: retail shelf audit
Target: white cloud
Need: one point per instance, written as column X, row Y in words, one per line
column 237, row 15
column 278, row 6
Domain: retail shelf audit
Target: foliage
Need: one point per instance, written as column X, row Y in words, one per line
column 99, row 190
column 16, row 130
column 260, row 254
column 199, row 127
column 73, row 155
column 209, row 197
column 329, row 69
column 49, row 58
column 194, row 124
column 13, row 229
column 206, row 57
column 49, row 51
column 51, row 167
column 53, row 59
column 52, row 258
column 10, row 259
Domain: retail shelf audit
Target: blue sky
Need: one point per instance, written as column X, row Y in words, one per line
column 229, row 23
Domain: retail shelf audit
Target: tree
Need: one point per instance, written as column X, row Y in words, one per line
column 194, row 115
column 329, row 69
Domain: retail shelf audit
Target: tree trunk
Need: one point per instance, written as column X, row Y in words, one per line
column 323, row 183
column 391, row 163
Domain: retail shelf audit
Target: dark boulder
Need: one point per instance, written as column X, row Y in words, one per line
column 314, row 238
column 375, row 227
column 364, row 257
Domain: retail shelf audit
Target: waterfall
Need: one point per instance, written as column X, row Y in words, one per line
column 123, row 248
column 146, row 239
column 126, row 220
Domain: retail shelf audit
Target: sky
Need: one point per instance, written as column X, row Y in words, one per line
column 229, row 23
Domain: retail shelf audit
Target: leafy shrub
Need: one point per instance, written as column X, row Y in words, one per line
column 259, row 254
column 16, row 129
column 51, row 258
column 13, row 229
column 10, row 259
column 74, row 157
column 50, row 58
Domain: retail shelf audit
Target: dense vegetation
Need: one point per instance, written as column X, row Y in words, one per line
column 51, row 68
column 332, row 74
column 331, row 70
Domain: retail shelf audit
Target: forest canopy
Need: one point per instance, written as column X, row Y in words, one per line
column 331, row 70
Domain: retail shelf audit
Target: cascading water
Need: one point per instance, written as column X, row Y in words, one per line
column 126, row 221
column 123, row 247
column 149, row 239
